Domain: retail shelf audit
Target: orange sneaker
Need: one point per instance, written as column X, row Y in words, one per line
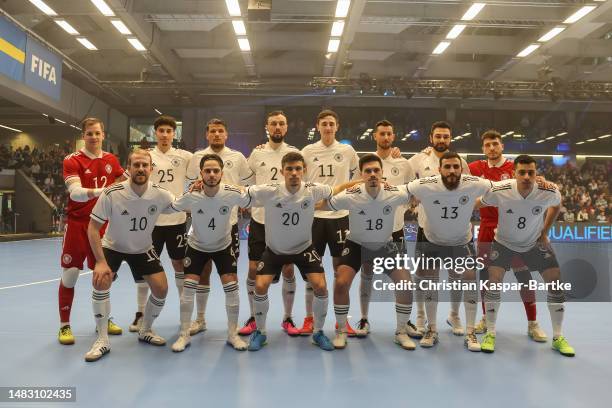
column 349, row 330
column 249, row 327
column 308, row 327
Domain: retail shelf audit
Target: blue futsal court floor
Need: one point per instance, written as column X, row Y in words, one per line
column 289, row 371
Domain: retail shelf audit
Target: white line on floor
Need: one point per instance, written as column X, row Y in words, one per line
column 38, row 283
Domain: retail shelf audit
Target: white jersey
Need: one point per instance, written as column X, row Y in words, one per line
column 397, row 172
column 170, row 172
column 211, row 216
column 131, row 218
column 427, row 165
column 370, row 219
column 266, row 165
column 520, row 219
column 331, row 165
column 289, row 216
column 235, row 169
column 448, row 212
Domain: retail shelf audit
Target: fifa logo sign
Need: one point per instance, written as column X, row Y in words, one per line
column 43, row 69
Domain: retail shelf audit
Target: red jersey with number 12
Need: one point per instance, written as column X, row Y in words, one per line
column 93, row 172
column 481, row 168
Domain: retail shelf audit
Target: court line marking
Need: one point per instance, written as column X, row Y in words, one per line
column 38, row 282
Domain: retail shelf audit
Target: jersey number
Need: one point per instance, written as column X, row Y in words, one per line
column 142, row 224
column 330, row 172
column 374, row 224
column 521, row 223
column 169, row 177
column 103, row 181
column 211, row 224
column 453, row 214
column 275, row 171
column 290, row 218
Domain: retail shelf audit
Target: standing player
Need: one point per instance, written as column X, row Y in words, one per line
column 426, row 164
column 448, row 201
column 131, row 209
column 497, row 168
column 211, row 239
column 265, row 164
column 332, row 163
column 523, row 232
column 372, row 210
column 169, row 171
column 86, row 173
column 236, row 172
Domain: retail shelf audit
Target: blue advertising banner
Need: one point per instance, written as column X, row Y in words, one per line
column 43, row 69
column 12, row 50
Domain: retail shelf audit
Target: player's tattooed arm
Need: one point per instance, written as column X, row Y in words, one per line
column 102, row 274
column 543, row 183
column 341, row 187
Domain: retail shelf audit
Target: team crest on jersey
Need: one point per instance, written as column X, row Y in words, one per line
column 187, row 262
column 505, row 176
column 305, row 204
column 338, row 157
column 387, row 210
column 228, row 164
column 224, row 210
column 176, row 162
column 395, row 171
column 66, row 258
column 152, row 209
column 536, row 210
column 464, row 200
column 494, row 255
column 260, row 266
column 345, row 251
column 108, row 168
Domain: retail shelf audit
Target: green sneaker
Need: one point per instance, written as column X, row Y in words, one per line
column 562, row 346
column 487, row 345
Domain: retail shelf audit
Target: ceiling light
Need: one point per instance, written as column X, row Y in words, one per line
column 337, row 28
column 472, row 11
column 466, row 134
column 10, row 128
column 551, row 34
column 67, row 27
column 157, row 110
column 549, row 138
column 562, row 134
column 244, row 45
column 540, row 141
column 342, row 8
column 531, row 48
column 137, row 44
column 103, row 7
column 43, row 7
column 441, row 47
column 233, row 7
column 60, row 121
column 239, row 27
column 121, row 27
column 604, row 136
column 455, row 31
column 333, row 45
column 591, row 140
column 579, row 143
column 86, row 43
column 579, row 14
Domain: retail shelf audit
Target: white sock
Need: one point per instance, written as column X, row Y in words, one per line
column 319, row 307
column 187, row 298
column 402, row 315
column 365, row 293
column 232, row 306
column 419, row 296
column 152, row 310
column 251, row 294
column 431, row 304
column 179, row 278
column 261, row 305
column 202, row 293
column 308, row 298
column 101, row 309
column 341, row 312
column 455, row 295
column 470, row 302
column 142, row 293
column 288, row 295
column 556, row 308
column 492, row 303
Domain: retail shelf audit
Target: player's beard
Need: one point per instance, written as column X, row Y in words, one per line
column 440, row 147
column 383, row 145
column 217, row 146
column 138, row 176
column 373, row 182
column 277, row 138
column 451, row 184
column 212, row 183
column 494, row 157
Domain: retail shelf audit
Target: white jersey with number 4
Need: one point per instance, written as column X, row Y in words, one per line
column 331, row 165
column 131, row 218
column 397, row 172
column 448, row 212
column 170, row 172
column 370, row 219
column 211, row 216
column 289, row 216
column 266, row 165
column 520, row 219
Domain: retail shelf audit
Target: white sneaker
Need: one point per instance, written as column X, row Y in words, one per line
column 536, row 333
column 137, row 323
column 339, row 341
column 236, row 342
column 404, row 340
column 363, row 328
column 420, row 322
column 150, row 337
column 430, row 338
column 183, row 341
column 471, row 342
column 198, row 325
column 481, row 327
column 455, row 323
column 100, row 347
column 412, row 331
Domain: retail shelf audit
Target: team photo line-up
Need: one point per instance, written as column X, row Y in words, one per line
column 302, row 202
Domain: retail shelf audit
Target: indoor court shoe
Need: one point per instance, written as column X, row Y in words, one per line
column 471, row 342
column 289, row 327
column 536, row 333
column 488, row 343
column 349, row 330
column 65, row 335
column 236, row 342
column 412, row 331
column 308, row 326
column 363, row 328
column 198, row 325
column 320, row 340
column 257, row 341
column 249, row 327
column 430, row 338
column 99, row 348
column 113, row 329
column 340, row 340
column 135, row 326
column 404, row 341
column 455, row 323
column 150, row 337
column 481, row 327
column 562, row 346
column 420, row 322
column 183, row 341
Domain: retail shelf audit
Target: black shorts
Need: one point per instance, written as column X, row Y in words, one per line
column 355, row 255
column 307, row 262
column 225, row 260
column 257, row 240
column 538, row 258
column 235, row 240
column 430, row 250
column 173, row 236
column 146, row 263
column 330, row 232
